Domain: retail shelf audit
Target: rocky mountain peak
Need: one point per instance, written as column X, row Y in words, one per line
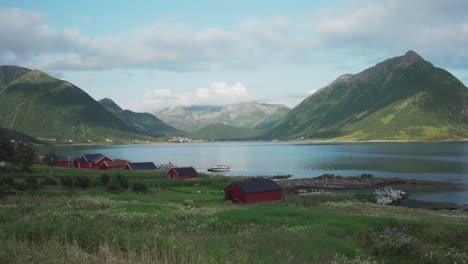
column 110, row 105
column 411, row 57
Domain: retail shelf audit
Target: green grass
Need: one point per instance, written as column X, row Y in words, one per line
column 189, row 222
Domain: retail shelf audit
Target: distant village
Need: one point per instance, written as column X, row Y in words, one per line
column 103, row 162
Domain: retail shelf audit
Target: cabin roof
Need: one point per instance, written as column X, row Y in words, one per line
column 92, row 157
column 142, row 165
column 185, row 170
column 80, row 159
column 258, row 185
column 116, row 163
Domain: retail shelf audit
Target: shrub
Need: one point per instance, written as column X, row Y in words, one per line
column 82, row 182
column 118, row 183
column 66, row 181
column 7, row 181
column 139, row 187
column 105, row 178
column 32, row 182
column 114, row 186
column 49, row 181
column 122, row 180
column 20, row 186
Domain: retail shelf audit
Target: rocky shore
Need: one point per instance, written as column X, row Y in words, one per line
column 364, row 181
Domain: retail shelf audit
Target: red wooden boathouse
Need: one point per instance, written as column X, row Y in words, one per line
column 182, row 173
column 252, row 191
column 115, row 164
column 90, row 161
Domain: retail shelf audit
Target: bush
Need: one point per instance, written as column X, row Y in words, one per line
column 139, row 187
column 66, row 181
column 7, row 181
column 105, row 178
column 32, row 182
column 82, row 182
column 118, row 183
column 20, row 186
column 122, row 180
column 49, row 181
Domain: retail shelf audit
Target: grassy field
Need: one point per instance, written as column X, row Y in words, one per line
column 189, row 222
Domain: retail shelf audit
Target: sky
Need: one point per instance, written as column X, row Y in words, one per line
column 151, row 55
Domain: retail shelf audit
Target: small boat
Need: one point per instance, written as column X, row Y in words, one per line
column 220, row 168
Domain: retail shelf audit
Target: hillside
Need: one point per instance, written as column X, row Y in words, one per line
column 11, row 73
column 403, row 98
column 226, row 132
column 145, row 123
column 193, row 118
column 273, row 119
column 47, row 108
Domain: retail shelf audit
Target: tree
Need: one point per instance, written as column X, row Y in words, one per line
column 6, row 148
column 23, row 155
column 51, row 159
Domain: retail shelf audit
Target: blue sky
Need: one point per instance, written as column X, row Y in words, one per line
column 149, row 55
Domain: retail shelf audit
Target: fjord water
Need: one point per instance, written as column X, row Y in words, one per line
column 446, row 161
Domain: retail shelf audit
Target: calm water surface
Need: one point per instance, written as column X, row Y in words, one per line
column 430, row 161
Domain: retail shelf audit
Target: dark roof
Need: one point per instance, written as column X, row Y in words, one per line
column 57, row 159
column 80, row 160
column 258, row 185
column 93, row 157
column 142, row 165
column 185, row 170
column 116, row 163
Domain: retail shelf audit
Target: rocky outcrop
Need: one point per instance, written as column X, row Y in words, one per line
column 337, row 182
column 389, row 196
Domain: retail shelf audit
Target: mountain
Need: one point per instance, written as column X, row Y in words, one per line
column 11, row 73
column 273, row 119
column 17, row 136
column 44, row 107
column 226, row 132
column 193, row 118
column 145, row 123
column 402, row 98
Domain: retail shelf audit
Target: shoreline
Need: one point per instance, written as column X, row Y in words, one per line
column 331, row 182
column 268, row 141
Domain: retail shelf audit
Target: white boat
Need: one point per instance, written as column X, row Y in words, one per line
column 220, row 168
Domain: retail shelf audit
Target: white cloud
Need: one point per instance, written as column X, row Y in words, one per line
column 436, row 29
column 217, row 93
column 158, row 93
column 222, row 88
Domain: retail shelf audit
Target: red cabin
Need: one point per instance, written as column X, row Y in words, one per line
column 58, row 162
column 115, row 164
column 182, row 173
column 90, row 161
column 62, row 162
column 253, row 191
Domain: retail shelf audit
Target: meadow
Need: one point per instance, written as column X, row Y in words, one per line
column 188, row 221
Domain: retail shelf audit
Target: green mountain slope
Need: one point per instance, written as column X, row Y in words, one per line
column 11, row 73
column 143, row 122
column 401, row 98
column 192, row 118
column 226, row 132
column 17, row 136
column 41, row 106
column 273, row 119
